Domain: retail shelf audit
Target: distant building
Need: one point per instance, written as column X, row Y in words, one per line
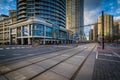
column 4, row 28
column 91, row 35
column 95, row 32
column 2, row 17
column 108, row 26
column 74, row 17
column 117, row 28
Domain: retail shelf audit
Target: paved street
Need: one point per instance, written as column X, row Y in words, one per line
column 59, row 62
column 65, row 64
column 8, row 53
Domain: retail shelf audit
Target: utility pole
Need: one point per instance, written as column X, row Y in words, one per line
column 102, row 29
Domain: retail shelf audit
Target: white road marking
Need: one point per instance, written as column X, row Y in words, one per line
column 1, row 48
column 106, row 54
column 108, row 60
column 22, row 47
column 115, row 53
column 8, row 48
column 12, row 47
column 96, row 54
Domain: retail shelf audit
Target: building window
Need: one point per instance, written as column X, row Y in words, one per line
column 62, row 34
column 38, row 30
column 25, row 30
column 18, row 31
column 49, row 31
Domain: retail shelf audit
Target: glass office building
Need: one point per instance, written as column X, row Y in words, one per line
column 40, row 22
column 53, row 11
column 37, row 31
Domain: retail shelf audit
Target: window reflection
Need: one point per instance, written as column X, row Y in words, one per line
column 38, row 29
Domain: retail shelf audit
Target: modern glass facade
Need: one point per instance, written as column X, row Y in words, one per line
column 53, row 11
column 75, row 17
column 37, row 31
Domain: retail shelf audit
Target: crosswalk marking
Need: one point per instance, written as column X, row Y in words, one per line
column 8, row 48
column 1, row 48
column 14, row 48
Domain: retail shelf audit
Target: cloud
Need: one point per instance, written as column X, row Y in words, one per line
column 118, row 1
column 118, row 11
column 91, row 4
column 117, row 18
column 10, row 0
column 90, row 17
column 7, row 7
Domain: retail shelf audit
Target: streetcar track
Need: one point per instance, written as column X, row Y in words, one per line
column 3, row 73
column 25, row 57
column 72, row 78
column 61, row 62
column 56, row 64
column 79, row 68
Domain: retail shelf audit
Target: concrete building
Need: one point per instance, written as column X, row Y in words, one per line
column 117, row 28
column 4, row 28
column 108, row 26
column 95, row 32
column 38, row 22
column 37, row 31
column 91, row 35
column 74, row 16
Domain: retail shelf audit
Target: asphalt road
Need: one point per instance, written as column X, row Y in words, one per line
column 8, row 53
column 59, row 63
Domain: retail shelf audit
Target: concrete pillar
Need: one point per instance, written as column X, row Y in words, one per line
column 44, row 34
column 29, row 41
column 22, row 41
column 10, row 37
column 16, row 41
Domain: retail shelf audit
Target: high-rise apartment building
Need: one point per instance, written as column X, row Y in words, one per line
column 74, row 16
column 117, row 28
column 91, row 35
column 108, row 26
column 53, row 11
column 4, row 28
column 40, row 22
column 95, row 32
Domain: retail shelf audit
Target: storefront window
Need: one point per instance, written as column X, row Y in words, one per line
column 25, row 30
column 49, row 31
column 38, row 29
column 62, row 34
column 19, row 32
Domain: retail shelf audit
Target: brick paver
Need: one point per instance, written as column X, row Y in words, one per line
column 106, row 65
